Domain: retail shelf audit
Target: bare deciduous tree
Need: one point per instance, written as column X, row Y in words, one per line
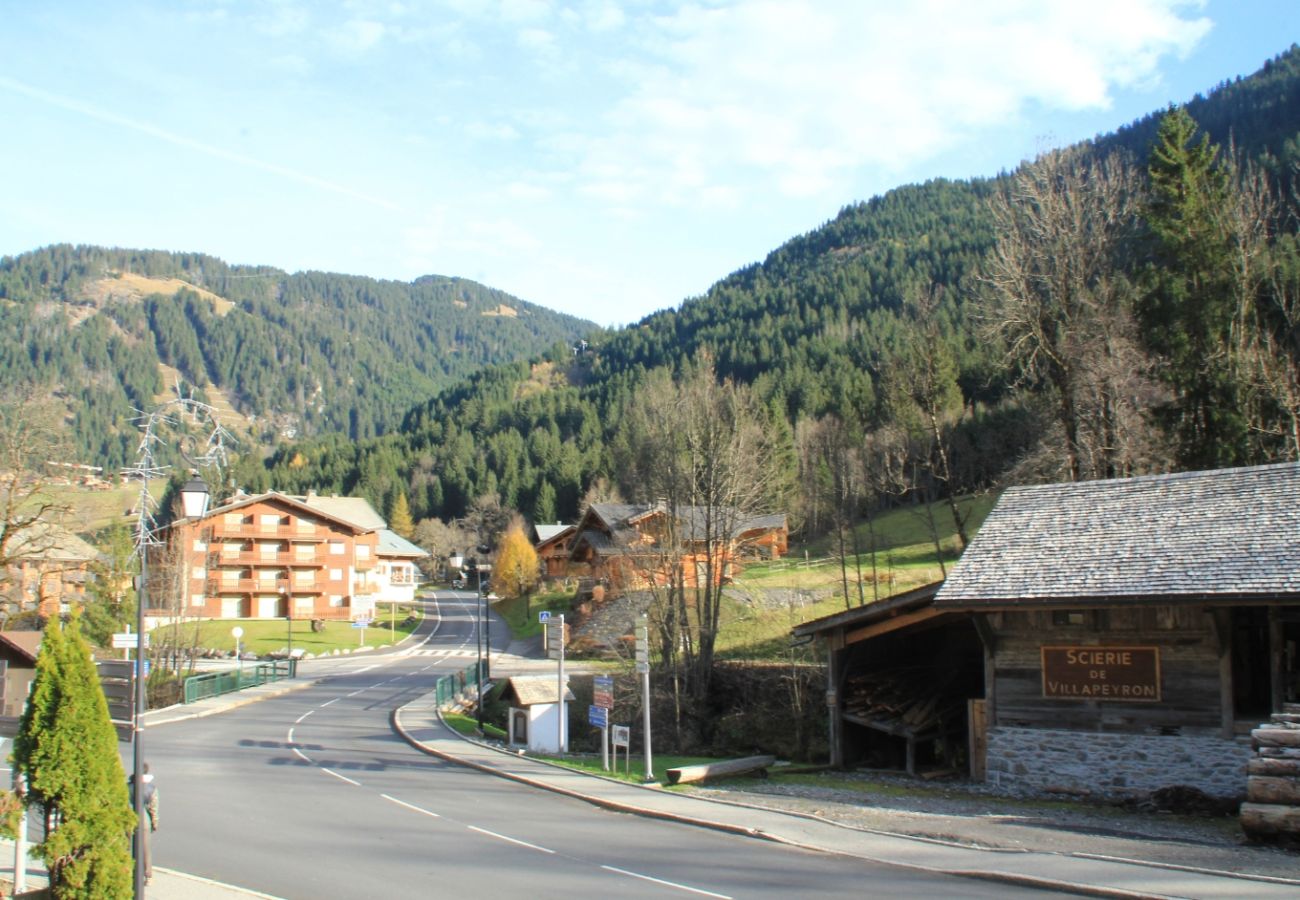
column 703, row 451
column 1063, row 311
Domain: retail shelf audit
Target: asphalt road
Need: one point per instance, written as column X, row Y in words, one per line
column 312, row 795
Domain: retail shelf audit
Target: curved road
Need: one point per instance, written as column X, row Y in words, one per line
column 311, row 794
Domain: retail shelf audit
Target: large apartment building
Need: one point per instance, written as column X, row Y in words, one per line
column 276, row 555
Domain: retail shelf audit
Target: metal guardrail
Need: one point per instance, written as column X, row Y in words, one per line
column 452, row 687
column 212, row 684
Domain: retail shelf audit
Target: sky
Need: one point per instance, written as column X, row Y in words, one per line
column 604, row 159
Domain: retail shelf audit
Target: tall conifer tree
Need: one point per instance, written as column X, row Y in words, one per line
column 1190, row 303
column 67, row 750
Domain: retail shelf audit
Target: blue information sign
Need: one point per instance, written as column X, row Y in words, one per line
column 544, row 616
column 598, row 716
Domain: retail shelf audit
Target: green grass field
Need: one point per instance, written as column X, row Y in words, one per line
column 262, row 636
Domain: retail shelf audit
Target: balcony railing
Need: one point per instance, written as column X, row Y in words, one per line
column 257, row 558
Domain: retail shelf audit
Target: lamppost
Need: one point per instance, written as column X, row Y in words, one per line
column 194, row 496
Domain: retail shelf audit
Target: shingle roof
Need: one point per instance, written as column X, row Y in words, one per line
column 533, row 689
column 1229, row 532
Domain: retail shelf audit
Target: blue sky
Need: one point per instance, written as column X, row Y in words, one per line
column 601, row 158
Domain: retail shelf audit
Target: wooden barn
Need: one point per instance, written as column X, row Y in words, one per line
column 1104, row 638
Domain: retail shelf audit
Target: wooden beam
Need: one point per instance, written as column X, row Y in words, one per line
column 1276, row 650
column 988, row 637
column 885, row 627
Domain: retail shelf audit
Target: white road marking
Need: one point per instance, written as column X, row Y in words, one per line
column 340, row 777
column 303, row 716
column 672, row 884
column 335, row 700
column 410, row 806
column 290, row 735
column 510, row 839
column 300, row 754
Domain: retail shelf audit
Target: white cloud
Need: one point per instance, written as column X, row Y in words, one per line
column 803, row 93
column 358, row 35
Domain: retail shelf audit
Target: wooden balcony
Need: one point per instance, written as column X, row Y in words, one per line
column 223, row 560
column 257, row 530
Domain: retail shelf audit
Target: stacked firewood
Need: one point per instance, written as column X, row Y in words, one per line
column 917, row 703
column 1272, row 810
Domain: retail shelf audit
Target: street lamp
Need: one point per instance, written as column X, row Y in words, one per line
column 194, row 497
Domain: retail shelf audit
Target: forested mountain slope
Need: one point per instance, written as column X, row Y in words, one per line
column 298, row 355
column 884, row 338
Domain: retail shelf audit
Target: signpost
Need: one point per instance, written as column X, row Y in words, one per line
column 643, row 667
column 602, row 696
column 623, row 738
column 555, row 648
column 361, row 623
column 238, row 633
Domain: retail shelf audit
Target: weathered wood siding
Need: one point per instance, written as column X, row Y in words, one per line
column 1190, row 700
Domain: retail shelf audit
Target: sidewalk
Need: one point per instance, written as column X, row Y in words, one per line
column 419, row 724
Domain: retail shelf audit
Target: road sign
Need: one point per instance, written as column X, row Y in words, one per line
column 642, row 642
column 622, row 735
column 602, row 688
column 598, row 716
column 361, row 623
column 128, row 640
column 544, row 616
column 642, row 667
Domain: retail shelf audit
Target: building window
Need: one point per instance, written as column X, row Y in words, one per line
column 337, row 575
column 336, row 548
column 196, row 600
column 363, row 551
column 199, row 545
column 303, row 606
column 1069, row 618
column 336, row 600
column 197, row 574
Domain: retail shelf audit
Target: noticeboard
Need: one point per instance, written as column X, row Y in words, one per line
column 621, row 735
column 1129, row 674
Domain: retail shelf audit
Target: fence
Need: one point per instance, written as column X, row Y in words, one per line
column 211, row 684
column 452, row 687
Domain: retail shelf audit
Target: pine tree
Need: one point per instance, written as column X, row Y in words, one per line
column 399, row 516
column 66, row 748
column 517, row 568
column 1190, row 305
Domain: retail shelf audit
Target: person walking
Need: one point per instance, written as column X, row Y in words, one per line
column 151, row 811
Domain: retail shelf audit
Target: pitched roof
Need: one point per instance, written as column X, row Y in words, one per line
column 47, row 541
column 27, row 643
column 393, row 544
column 355, row 510
column 344, row 514
column 1225, row 533
column 530, row 690
column 547, row 533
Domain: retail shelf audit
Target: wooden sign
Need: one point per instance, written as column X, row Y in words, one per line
column 1101, row 673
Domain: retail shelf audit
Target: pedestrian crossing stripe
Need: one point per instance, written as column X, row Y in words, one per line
column 443, row 654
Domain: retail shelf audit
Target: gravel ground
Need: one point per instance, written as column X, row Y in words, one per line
column 974, row 814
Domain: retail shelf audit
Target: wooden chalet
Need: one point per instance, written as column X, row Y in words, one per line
column 625, row 546
column 18, row 652
column 1105, row 638
column 554, row 544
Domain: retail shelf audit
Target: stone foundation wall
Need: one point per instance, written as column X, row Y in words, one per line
column 1115, row 765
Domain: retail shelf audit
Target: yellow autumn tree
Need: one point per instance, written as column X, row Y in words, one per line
column 516, row 572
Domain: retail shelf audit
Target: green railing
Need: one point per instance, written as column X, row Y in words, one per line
column 452, row 686
column 211, row 684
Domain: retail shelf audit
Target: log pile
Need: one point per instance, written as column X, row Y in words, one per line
column 1272, row 807
column 910, row 704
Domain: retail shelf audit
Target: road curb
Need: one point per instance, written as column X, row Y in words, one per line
column 616, row 806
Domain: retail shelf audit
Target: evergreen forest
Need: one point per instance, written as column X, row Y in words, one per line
column 110, row 330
